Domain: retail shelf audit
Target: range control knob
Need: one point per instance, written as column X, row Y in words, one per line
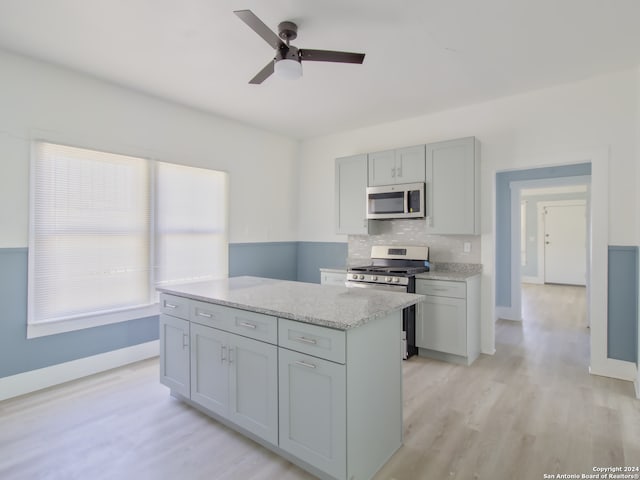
column 396, row 280
column 354, row 276
column 388, row 279
column 374, row 279
column 361, row 277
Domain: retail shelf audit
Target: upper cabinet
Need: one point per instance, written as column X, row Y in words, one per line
column 351, row 195
column 403, row 165
column 453, row 187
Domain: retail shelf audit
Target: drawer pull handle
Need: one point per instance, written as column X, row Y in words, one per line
column 247, row 325
column 205, row 315
column 170, row 305
column 305, row 364
column 310, row 341
column 440, row 289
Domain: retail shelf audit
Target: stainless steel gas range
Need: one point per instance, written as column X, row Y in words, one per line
column 393, row 268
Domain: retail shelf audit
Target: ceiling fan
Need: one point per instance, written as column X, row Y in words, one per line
column 288, row 59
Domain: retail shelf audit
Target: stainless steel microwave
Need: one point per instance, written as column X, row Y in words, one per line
column 396, row 201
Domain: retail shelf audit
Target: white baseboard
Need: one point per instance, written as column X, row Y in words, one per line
column 508, row 313
column 616, row 369
column 33, row 380
column 534, row 280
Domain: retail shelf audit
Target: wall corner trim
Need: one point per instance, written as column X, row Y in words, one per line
column 508, row 313
column 31, row 381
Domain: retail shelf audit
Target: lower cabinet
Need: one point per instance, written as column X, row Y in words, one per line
column 174, row 353
column 444, row 327
column 236, row 377
column 333, row 278
column 448, row 320
column 313, row 411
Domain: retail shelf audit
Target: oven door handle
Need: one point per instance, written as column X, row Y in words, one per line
column 377, row 286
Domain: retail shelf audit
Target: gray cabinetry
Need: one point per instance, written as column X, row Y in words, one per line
column 403, row 165
column 453, row 187
column 351, row 195
column 448, row 321
column 174, row 353
column 236, row 377
column 333, row 278
column 300, row 389
column 313, row 411
column 209, row 368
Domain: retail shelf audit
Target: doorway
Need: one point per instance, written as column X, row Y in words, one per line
column 594, row 165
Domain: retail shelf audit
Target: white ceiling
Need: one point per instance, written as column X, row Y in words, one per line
column 421, row 55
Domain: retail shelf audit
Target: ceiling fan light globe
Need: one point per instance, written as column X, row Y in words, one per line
column 288, row 68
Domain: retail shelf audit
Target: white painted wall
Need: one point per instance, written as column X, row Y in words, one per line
column 40, row 100
column 522, row 131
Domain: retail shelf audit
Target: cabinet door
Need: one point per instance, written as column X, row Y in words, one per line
column 209, row 368
column 253, row 399
column 452, row 187
column 351, row 195
column 441, row 325
column 382, row 168
column 174, row 354
column 333, row 278
column 410, row 164
column 313, row 411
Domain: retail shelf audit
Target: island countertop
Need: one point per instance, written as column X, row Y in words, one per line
column 336, row 307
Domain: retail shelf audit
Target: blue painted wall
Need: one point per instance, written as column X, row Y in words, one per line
column 315, row 255
column 622, row 307
column 503, row 218
column 264, row 259
column 19, row 354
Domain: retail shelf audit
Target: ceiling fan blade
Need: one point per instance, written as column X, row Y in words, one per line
column 330, row 56
column 263, row 74
column 258, row 26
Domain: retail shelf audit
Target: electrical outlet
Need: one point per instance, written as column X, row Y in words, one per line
column 467, row 247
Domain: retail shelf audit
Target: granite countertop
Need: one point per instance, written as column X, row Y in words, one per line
column 336, row 307
column 334, row 270
column 458, row 272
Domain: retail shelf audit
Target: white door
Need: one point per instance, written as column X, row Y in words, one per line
column 565, row 244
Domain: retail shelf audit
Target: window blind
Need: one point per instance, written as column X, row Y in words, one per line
column 191, row 224
column 90, row 233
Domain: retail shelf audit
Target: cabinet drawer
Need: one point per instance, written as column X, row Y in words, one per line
column 248, row 324
column 253, row 325
column 441, row 288
column 210, row 315
column 174, row 306
column 312, row 339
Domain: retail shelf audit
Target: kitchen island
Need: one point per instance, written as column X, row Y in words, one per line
column 314, row 373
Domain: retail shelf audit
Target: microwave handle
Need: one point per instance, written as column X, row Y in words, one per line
column 406, row 201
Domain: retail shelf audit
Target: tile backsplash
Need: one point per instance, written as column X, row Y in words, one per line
column 442, row 248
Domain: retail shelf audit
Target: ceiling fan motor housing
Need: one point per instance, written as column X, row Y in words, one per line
column 287, row 31
column 287, row 53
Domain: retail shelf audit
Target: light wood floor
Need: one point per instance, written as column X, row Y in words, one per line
column 532, row 408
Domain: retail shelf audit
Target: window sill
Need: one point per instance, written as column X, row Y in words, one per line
column 43, row 329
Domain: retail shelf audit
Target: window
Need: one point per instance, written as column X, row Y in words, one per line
column 106, row 228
